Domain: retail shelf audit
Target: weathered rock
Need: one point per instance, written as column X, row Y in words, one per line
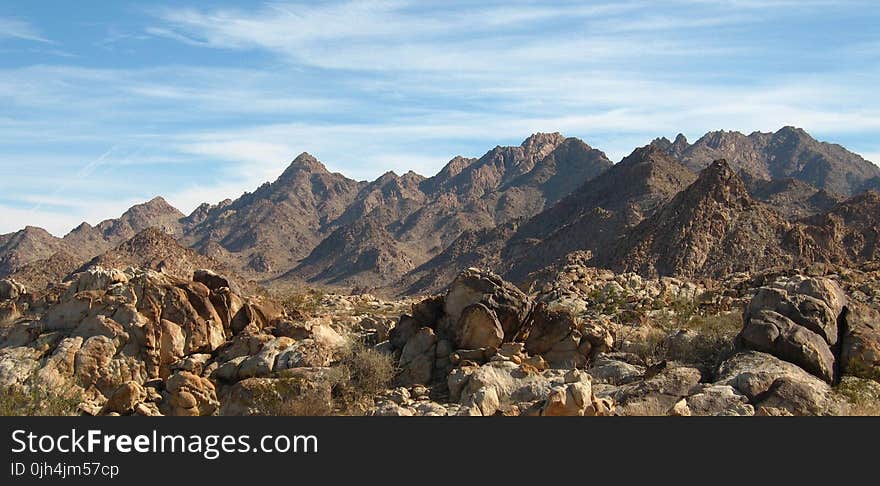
column 657, row 395
column 261, row 364
column 803, row 310
column 570, row 400
column 615, row 372
column 189, row 395
column 92, row 361
column 213, row 280
column 860, row 349
column 719, row 400
column 124, row 399
column 10, row 289
column 755, row 375
column 773, row 333
column 511, row 305
column 512, row 383
column 97, row 278
column 16, row 365
column 547, row 327
column 478, row 327
column 486, row 399
column 417, row 358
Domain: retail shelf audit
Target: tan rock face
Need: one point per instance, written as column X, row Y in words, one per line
column 479, row 328
column 189, row 395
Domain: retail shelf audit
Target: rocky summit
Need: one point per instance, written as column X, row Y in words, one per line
column 738, row 275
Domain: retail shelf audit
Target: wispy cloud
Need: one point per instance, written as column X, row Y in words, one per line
column 11, row 28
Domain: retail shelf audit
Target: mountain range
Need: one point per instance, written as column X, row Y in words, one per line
column 728, row 202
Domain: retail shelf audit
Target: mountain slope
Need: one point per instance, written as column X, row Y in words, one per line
column 411, row 220
column 788, row 153
column 266, row 232
column 711, row 228
column 25, row 246
column 86, row 241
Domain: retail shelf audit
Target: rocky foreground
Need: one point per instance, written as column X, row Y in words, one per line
column 588, row 343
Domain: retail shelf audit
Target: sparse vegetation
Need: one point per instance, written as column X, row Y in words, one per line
column 32, row 398
column 861, row 396
column 304, row 302
column 346, row 388
column 683, row 333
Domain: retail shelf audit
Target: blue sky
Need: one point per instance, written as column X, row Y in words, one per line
column 106, row 104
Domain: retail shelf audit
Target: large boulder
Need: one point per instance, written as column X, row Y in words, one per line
column 803, row 310
column 776, row 385
column 860, row 349
column 417, row 358
column 479, row 328
column 557, row 335
column 719, row 400
column 97, row 278
column 472, row 286
column 188, row 394
column 773, row 333
column 658, row 394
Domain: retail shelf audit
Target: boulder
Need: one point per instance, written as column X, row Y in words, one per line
column 773, row 333
column 417, row 358
column 770, row 382
column 124, row 399
column 472, row 286
column 189, row 395
column 719, row 400
column 658, row 394
column 860, row 349
column 10, row 289
column 96, row 278
column 479, row 328
column 213, row 280
column 570, row 400
column 547, row 327
column 803, row 310
column 615, row 372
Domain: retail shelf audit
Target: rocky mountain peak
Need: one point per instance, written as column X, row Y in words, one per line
column 720, row 183
column 540, row 141
column 304, row 162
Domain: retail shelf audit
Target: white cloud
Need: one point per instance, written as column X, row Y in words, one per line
column 19, row 29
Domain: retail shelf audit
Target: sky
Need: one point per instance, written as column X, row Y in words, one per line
column 106, row 104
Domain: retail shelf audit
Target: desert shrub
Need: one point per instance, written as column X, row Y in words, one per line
column 686, row 336
column 293, row 397
column 302, row 302
column 346, row 388
column 361, row 373
column 34, row 398
column 861, row 397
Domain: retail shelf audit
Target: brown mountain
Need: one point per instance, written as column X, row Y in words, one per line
column 790, row 197
column 848, row 234
column 595, row 215
column 266, row 232
column 156, row 250
column 711, row 228
column 87, row 241
column 598, row 213
column 25, row 246
column 409, row 220
column 788, row 153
